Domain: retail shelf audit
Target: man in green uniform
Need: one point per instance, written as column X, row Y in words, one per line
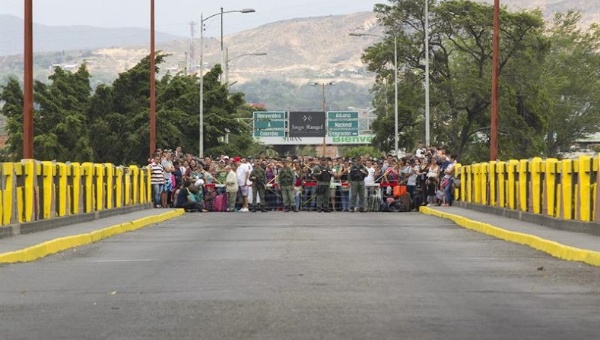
column 286, row 180
column 322, row 173
column 358, row 172
column 258, row 176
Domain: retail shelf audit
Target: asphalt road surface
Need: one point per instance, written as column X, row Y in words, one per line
column 300, row 276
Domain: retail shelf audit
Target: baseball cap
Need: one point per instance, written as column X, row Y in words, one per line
column 236, row 159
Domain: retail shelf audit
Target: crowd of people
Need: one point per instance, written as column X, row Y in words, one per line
column 303, row 183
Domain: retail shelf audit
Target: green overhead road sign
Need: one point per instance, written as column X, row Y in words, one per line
column 342, row 133
column 342, row 115
column 270, row 115
column 269, row 133
column 269, row 124
column 342, row 124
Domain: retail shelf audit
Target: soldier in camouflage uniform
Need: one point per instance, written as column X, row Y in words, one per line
column 258, row 176
column 357, row 175
column 286, row 180
column 322, row 173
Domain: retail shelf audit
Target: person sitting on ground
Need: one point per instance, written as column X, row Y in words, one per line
column 186, row 200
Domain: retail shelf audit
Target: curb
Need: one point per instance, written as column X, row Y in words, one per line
column 553, row 248
column 57, row 245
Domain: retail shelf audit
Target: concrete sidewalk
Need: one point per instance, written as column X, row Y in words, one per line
column 29, row 247
column 563, row 244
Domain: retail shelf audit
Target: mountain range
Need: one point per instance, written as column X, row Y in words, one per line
column 297, row 52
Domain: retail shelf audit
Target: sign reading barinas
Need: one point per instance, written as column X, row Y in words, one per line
column 307, row 124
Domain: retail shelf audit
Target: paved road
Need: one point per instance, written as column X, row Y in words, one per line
column 312, row 276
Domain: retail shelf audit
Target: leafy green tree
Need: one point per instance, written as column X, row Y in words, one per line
column 572, row 83
column 222, row 110
column 460, row 60
column 12, row 96
column 60, row 129
column 359, row 151
column 120, row 113
column 60, row 126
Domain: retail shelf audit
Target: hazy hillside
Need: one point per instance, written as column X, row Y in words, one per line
column 590, row 8
column 65, row 38
column 299, row 52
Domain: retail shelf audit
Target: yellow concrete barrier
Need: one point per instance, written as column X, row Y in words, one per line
column 512, row 169
column 566, row 184
column 585, row 188
column 536, row 185
column 492, row 184
column 566, row 189
column 501, row 183
column 31, row 190
column 523, row 184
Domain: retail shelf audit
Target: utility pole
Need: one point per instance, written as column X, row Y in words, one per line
column 152, row 84
column 192, row 54
column 324, row 108
column 427, row 123
column 495, row 75
column 28, row 82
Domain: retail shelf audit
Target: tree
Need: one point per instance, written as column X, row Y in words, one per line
column 572, row 78
column 460, row 60
column 60, row 126
column 112, row 125
column 12, row 96
column 121, row 113
column 60, row 129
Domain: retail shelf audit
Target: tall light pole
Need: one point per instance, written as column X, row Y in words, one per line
column 395, row 84
column 227, row 60
column 28, row 82
column 427, row 131
column 495, row 74
column 201, row 108
column 152, row 84
column 324, row 108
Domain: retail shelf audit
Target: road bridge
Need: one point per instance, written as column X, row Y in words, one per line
column 443, row 272
column 300, row 275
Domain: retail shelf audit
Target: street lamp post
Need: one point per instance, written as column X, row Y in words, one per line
column 427, row 131
column 495, row 75
column 395, row 84
column 227, row 60
column 324, row 108
column 152, row 83
column 201, row 104
column 28, row 82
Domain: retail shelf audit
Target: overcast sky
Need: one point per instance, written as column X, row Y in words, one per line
column 174, row 16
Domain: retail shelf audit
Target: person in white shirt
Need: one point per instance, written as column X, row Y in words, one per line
column 448, row 180
column 231, row 187
column 370, row 179
column 243, row 174
column 411, row 182
column 168, row 168
column 420, row 152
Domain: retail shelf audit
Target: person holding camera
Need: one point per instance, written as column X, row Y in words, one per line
column 358, row 172
column 322, row 173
